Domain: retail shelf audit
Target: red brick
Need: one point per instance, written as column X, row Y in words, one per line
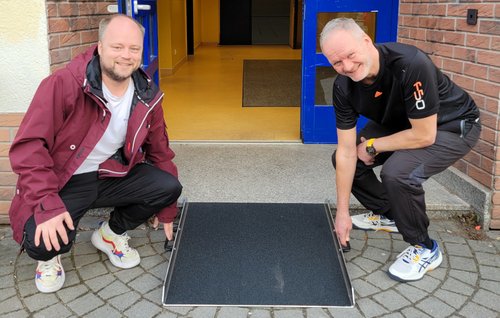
column 428, row 22
column 51, row 10
column 494, row 74
column 476, row 70
column 492, row 105
column 489, row 27
column 7, row 193
column 489, row 120
column 486, row 149
column 418, row 34
column 487, row 88
column 495, row 222
column 480, row 176
column 4, row 134
column 403, row 32
column 69, row 39
column 4, row 208
column 8, row 179
column 67, row 9
column 60, row 55
column 444, row 50
column 78, row 50
column 478, row 40
column 79, row 23
column 90, row 36
column 453, row 65
column 405, row 8
column 473, row 157
column 487, row 165
column 437, row 60
column 5, row 164
column 11, row 119
column 488, row 135
column 460, row 10
column 462, row 25
column 420, row 9
column 438, row 9
column 58, row 25
column 464, row 54
column 464, row 81
column 410, row 21
column 54, row 41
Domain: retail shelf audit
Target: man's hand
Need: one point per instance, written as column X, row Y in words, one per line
column 363, row 155
column 50, row 229
column 343, row 226
column 167, row 227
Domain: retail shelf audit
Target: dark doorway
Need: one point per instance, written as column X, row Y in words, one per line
column 189, row 27
column 235, row 22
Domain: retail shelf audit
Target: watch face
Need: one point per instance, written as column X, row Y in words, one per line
column 371, row 151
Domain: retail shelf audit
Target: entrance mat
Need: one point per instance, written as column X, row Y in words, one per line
column 257, row 254
column 271, row 82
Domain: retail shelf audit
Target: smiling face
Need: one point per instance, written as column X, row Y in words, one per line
column 351, row 55
column 120, row 49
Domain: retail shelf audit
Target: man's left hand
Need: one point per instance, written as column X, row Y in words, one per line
column 167, row 227
column 363, row 155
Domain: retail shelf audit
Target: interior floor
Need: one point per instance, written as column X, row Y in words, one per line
column 203, row 98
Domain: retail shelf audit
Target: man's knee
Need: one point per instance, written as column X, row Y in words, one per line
column 40, row 252
column 168, row 188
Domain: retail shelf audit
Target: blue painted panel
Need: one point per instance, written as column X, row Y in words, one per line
column 318, row 122
column 145, row 11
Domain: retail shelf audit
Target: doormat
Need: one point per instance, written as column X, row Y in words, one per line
column 271, row 83
column 257, row 254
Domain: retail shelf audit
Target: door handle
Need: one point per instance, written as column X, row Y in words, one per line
column 143, row 7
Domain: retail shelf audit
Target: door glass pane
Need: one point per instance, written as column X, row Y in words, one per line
column 323, row 90
column 367, row 21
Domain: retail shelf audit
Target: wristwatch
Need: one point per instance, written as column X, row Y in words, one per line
column 370, row 149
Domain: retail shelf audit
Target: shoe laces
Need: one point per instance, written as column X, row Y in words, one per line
column 122, row 243
column 372, row 217
column 49, row 269
column 412, row 254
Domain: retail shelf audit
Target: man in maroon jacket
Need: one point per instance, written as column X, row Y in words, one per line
column 93, row 136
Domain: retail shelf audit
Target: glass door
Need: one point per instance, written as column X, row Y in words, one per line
column 379, row 19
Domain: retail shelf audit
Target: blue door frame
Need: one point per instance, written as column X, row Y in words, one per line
column 145, row 11
column 317, row 122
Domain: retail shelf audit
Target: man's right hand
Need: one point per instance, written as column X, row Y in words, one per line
column 343, row 227
column 50, row 229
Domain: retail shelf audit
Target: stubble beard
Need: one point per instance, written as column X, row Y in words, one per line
column 112, row 74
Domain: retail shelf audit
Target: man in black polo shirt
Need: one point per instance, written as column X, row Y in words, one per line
column 419, row 123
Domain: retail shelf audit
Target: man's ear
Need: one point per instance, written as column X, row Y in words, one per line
column 99, row 47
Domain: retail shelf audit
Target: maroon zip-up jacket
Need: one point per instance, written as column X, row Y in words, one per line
column 64, row 122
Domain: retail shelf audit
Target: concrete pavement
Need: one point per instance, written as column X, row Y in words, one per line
column 467, row 284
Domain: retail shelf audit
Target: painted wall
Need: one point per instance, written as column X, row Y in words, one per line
column 171, row 33
column 210, row 21
column 25, row 52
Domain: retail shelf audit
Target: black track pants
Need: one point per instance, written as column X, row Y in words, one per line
column 399, row 194
column 135, row 198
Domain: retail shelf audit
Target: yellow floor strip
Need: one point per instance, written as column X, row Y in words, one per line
column 203, row 98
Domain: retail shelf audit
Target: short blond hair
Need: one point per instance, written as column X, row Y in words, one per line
column 103, row 24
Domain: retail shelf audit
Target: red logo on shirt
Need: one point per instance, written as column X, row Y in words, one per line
column 418, row 93
column 377, row 94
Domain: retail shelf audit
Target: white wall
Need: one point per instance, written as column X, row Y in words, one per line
column 24, row 55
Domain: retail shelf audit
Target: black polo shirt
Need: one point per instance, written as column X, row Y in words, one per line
column 408, row 86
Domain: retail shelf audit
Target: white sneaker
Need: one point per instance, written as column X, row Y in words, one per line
column 375, row 222
column 49, row 275
column 115, row 246
column 414, row 262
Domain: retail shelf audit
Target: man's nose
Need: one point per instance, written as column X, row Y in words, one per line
column 348, row 66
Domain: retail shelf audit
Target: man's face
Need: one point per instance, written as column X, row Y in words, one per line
column 349, row 55
column 120, row 49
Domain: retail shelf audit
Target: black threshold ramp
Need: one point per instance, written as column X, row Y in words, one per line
column 257, row 254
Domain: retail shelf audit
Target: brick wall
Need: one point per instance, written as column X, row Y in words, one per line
column 8, row 129
column 72, row 27
column 470, row 56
